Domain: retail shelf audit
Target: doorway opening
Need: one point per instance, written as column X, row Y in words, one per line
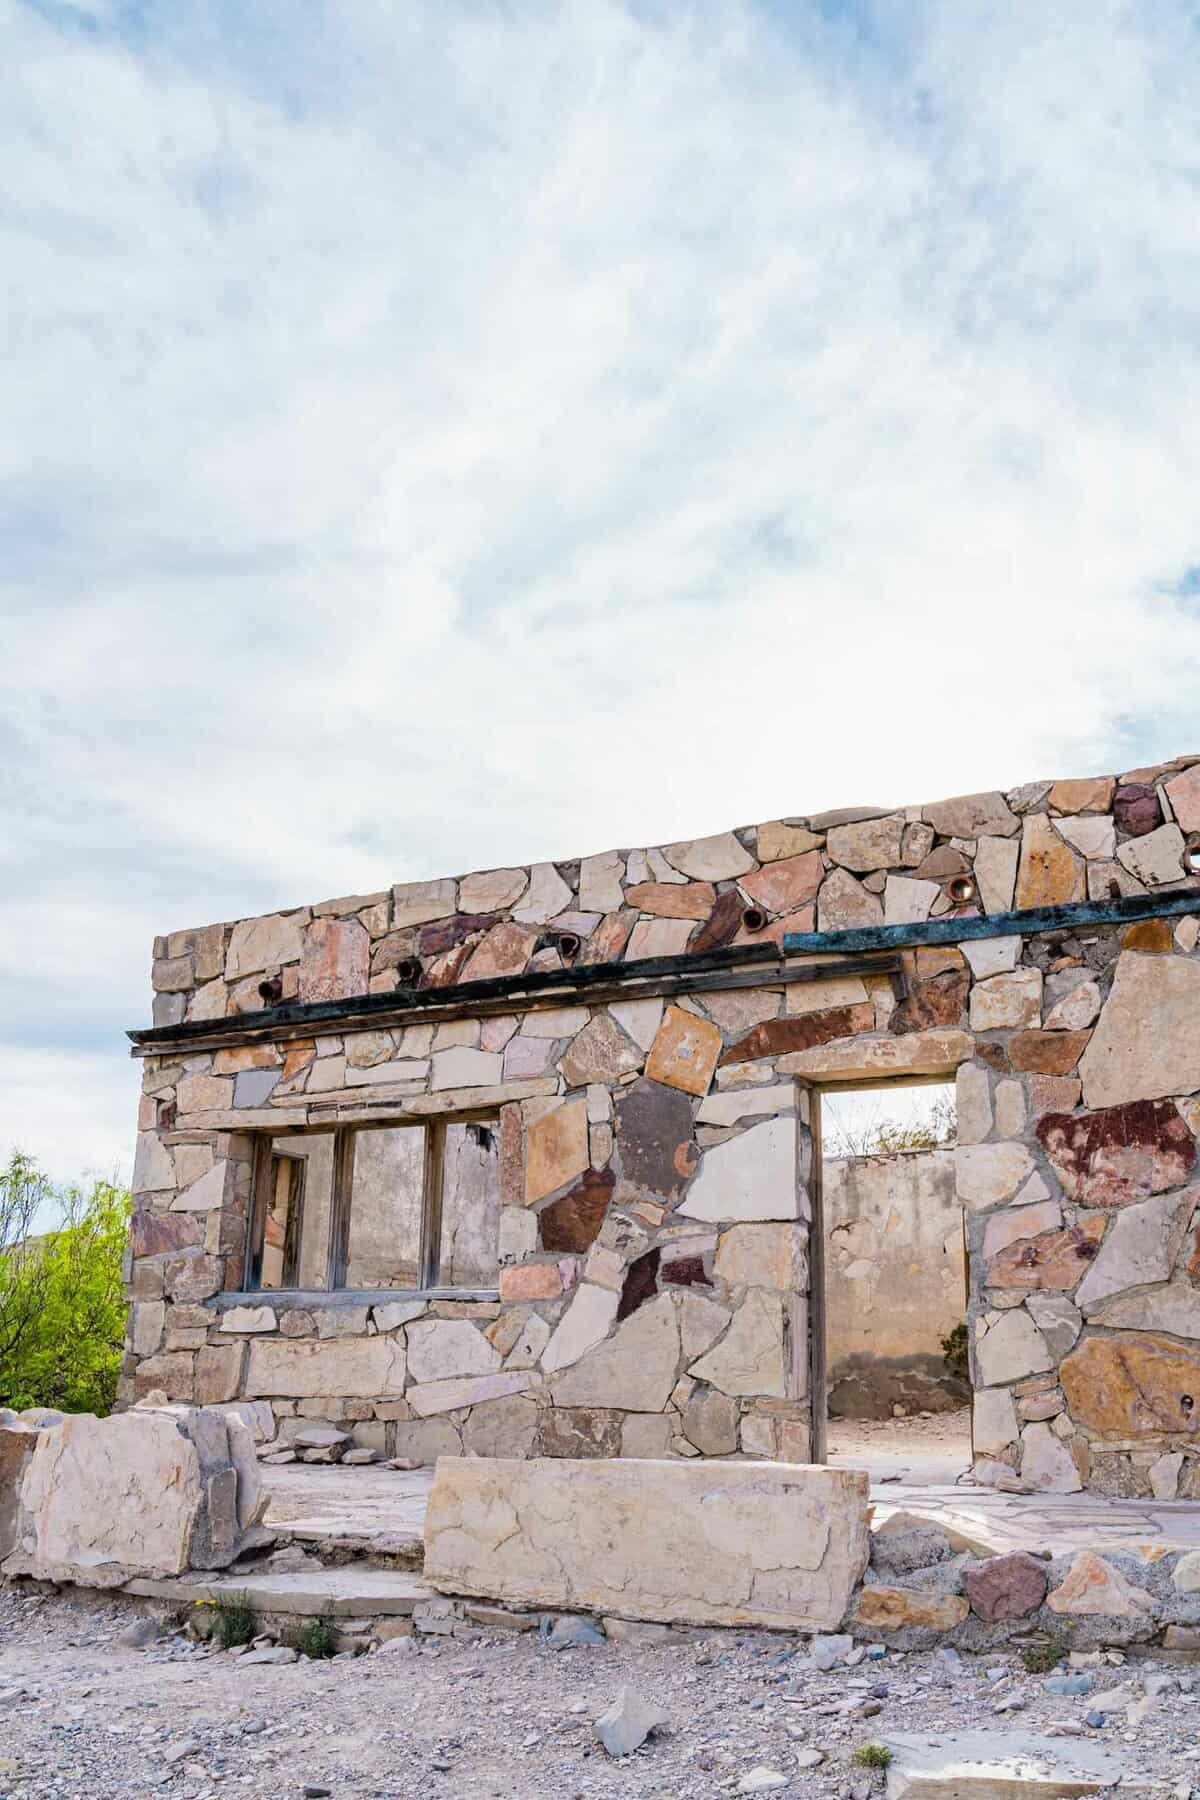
column 894, row 1277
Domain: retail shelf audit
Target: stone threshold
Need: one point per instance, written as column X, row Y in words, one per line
column 354, row 1591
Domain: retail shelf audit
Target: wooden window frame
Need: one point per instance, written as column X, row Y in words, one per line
column 337, row 1252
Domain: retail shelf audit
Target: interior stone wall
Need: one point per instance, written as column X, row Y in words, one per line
column 677, row 1132
column 895, row 1282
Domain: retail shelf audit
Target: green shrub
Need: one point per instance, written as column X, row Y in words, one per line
column 954, row 1349
column 236, row 1621
column 1039, row 1659
column 317, row 1639
column 62, row 1294
column 873, row 1756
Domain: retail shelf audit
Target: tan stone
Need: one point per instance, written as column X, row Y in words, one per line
column 658, row 937
column 1007, row 1002
column 104, row 1500
column 1047, row 1466
column 764, row 1256
column 918, row 1053
column 1157, row 859
column 1128, row 1387
column 1076, row 1010
column 299, row 1368
column 1147, row 1042
column 868, row 844
column 601, row 1053
column 547, row 895
column 749, row 1358
column 996, row 873
column 264, row 943
column 673, row 900
column 994, row 1421
column 701, row 1322
column 218, row 1374
column 989, row 1175
column 1011, row 1348
column 685, row 1052
column 737, row 1013
column 491, row 890
column 786, row 885
column 844, row 904
column 1093, row 1586
column 634, row 1370
column 719, row 858
column 556, row 1149
column 1050, row 873
column 441, row 1348
column 896, row 1609
column 973, row 1104
column 1092, row 795
column 434, row 1397
column 1140, row 1248
column 972, row 816
column 1173, row 1307
column 586, row 1323
column 419, row 902
column 600, row 879
column 771, row 1545
column 1183, row 791
column 778, row 839
column 751, row 1176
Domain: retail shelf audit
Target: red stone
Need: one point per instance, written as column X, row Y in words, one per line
column 722, row 924
column 574, row 1222
column 610, row 937
column 162, row 1234
column 940, row 1001
column 1051, row 1262
column 446, row 933
column 1136, row 809
column 685, row 1271
column 1119, row 1154
column 1046, row 1052
column 1006, row 1587
column 774, row 1037
column 640, row 1285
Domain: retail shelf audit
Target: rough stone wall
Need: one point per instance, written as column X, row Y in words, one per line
column 676, row 1132
column 895, row 1282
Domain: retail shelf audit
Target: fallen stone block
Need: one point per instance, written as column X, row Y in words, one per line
column 17, row 1444
column 628, row 1722
column 1003, row 1765
column 778, row 1545
column 144, row 1493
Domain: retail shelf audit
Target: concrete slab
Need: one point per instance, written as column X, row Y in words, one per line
column 353, row 1591
column 1003, row 1765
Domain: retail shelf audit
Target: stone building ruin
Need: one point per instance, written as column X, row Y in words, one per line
column 522, row 1163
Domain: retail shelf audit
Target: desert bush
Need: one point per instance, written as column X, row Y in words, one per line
column 62, row 1297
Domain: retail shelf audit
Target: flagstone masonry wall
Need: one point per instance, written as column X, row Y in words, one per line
column 656, row 1156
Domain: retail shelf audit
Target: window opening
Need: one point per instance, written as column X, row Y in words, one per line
column 366, row 1208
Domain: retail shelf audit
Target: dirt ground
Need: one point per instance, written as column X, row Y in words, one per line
column 500, row 1717
column 928, row 1450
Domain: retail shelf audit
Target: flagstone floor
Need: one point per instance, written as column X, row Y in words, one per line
column 386, row 1508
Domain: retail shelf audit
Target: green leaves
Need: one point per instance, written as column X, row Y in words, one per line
column 62, row 1298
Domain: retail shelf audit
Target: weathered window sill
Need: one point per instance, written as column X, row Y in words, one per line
column 289, row 1299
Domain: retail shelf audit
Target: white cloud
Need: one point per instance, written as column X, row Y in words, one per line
column 446, row 436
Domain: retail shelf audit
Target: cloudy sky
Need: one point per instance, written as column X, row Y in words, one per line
column 468, row 431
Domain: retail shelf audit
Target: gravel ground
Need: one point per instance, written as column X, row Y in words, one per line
column 501, row 1715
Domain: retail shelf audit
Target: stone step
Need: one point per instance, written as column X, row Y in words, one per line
column 353, row 1591
column 338, row 1541
column 1004, row 1765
